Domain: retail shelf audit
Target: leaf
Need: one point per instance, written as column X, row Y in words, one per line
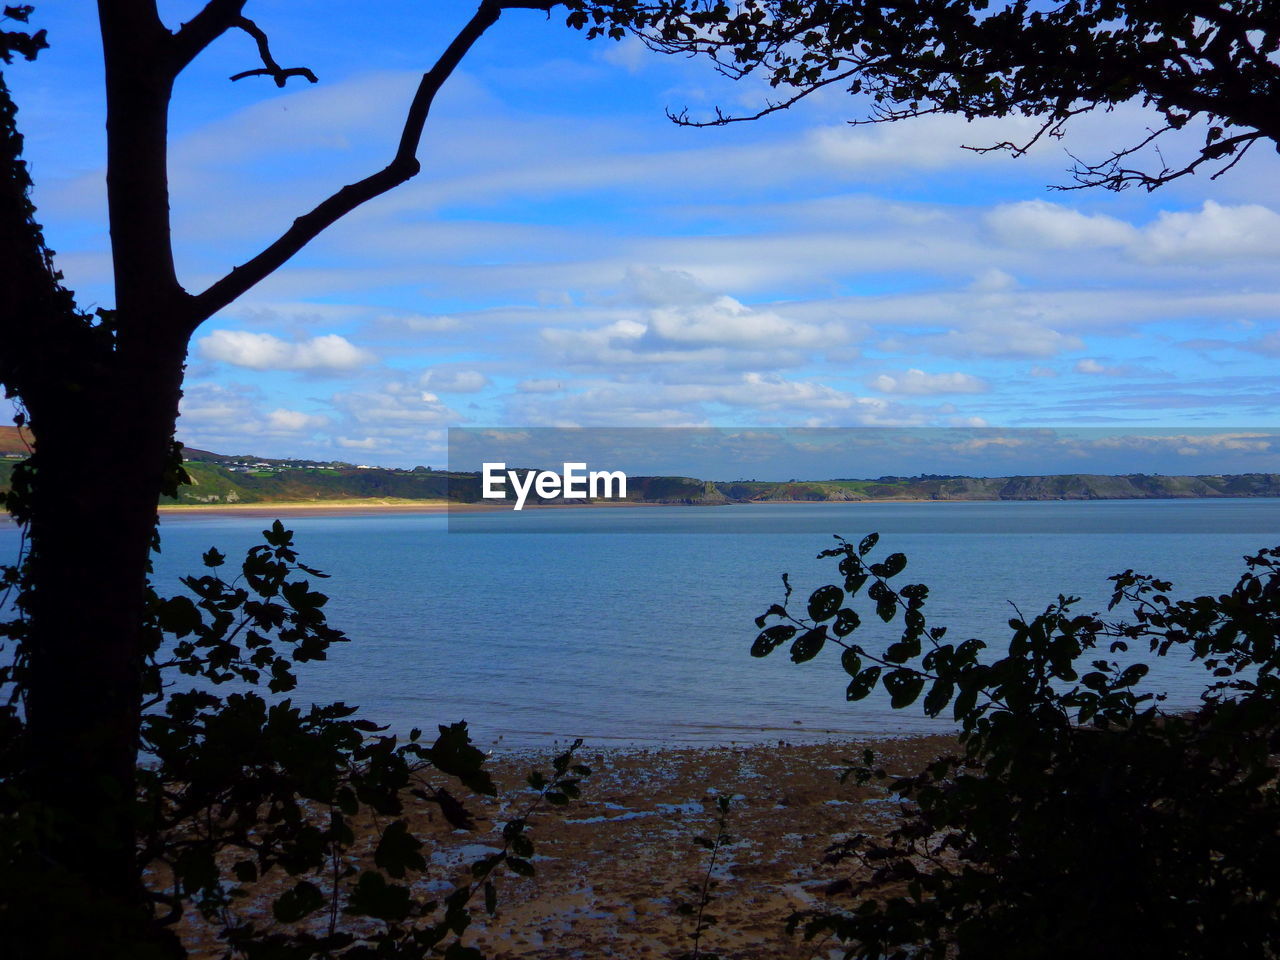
column 454, row 754
column 398, row 850
column 522, row 867
column 1133, row 674
column 847, row 621
column 904, row 687
column 303, row 899
column 868, row 543
column 938, row 697
column 372, row 896
column 893, row 565
column 854, row 582
column 770, row 639
column 824, row 602
column 774, row 611
column 860, row 687
column 490, row 898
column 808, row 644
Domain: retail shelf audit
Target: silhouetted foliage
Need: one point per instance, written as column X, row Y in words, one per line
column 1209, row 68
column 286, row 828
column 1080, row 817
column 703, row 889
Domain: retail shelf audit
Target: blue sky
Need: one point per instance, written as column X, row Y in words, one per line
column 568, row 257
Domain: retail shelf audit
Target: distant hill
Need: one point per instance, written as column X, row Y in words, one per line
column 14, row 441
column 244, row 478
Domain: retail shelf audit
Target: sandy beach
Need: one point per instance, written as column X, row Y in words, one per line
column 392, row 505
column 612, row 866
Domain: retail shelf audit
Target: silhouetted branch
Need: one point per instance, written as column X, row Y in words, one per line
column 403, row 166
column 269, row 66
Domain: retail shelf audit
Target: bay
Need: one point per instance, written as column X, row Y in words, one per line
column 632, row 625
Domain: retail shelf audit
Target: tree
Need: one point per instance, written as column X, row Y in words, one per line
column 1080, row 816
column 104, row 388
column 1208, row 69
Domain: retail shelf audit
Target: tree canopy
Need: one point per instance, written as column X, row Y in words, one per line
column 1208, row 70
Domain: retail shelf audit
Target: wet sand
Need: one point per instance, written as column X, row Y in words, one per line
column 613, row 865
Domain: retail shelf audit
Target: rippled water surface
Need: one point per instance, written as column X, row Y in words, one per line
column 631, row 625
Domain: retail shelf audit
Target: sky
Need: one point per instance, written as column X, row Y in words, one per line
column 570, row 257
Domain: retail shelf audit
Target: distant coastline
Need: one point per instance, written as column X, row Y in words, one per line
column 258, row 486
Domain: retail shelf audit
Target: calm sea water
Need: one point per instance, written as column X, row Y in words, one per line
column 632, row 625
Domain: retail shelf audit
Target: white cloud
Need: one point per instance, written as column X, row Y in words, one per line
column 1038, row 223
column 1094, row 367
column 727, row 322
column 295, row 421
column 993, row 280
column 1011, row 337
column 446, row 380
column 263, row 351
column 915, row 382
column 395, row 405
column 1216, row 231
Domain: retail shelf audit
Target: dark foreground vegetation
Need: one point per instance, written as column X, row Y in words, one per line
column 1077, row 819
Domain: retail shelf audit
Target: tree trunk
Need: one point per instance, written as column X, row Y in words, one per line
column 101, row 458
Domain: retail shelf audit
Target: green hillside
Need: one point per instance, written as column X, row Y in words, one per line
column 229, row 479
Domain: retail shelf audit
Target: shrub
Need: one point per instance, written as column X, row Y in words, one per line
column 1078, row 816
column 242, row 791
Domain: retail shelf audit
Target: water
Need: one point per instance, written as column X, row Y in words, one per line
column 641, row 637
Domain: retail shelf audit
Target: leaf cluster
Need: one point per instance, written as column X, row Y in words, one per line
column 1078, row 814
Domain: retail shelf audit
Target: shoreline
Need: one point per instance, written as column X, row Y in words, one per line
column 381, row 506
column 385, row 506
column 612, row 865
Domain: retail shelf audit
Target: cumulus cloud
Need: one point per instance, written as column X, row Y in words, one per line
column 1038, row 223
column 295, row 421
column 1216, row 231
column 395, row 405
column 918, row 383
column 666, row 316
column 263, row 351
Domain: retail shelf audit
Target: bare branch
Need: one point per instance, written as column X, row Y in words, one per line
column 772, row 106
column 269, row 66
column 403, row 166
column 1111, row 175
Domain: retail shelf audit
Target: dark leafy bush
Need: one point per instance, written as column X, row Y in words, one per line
column 1078, row 816
column 242, row 790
